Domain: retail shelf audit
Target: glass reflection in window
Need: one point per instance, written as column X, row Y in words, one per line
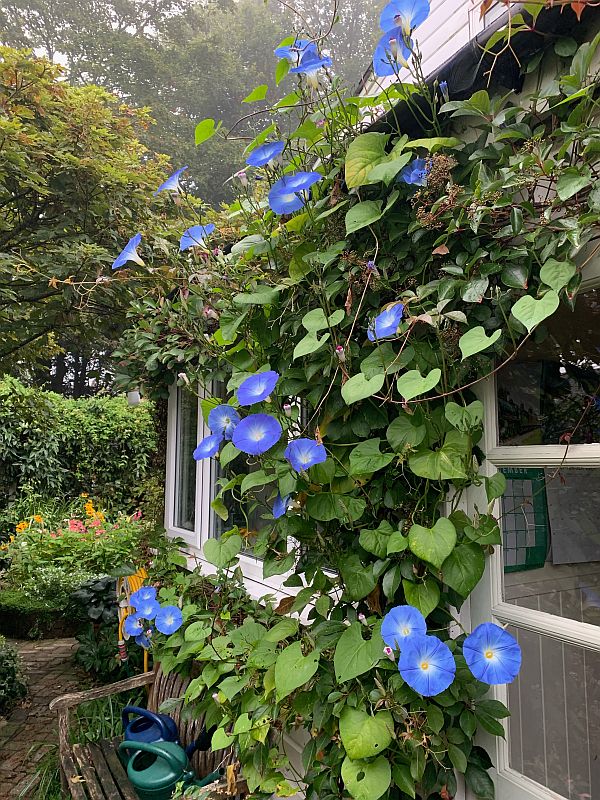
column 185, row 466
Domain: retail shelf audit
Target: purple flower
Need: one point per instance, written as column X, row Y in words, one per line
column 222, row 420
column 406, row 14
column 386, row 323
column 129, row 252
column 265, row 154
column 401, row 623
column 289, row 193
column 391, row 54
column 257, row 387
column 169, row 619
column 208, row 447
column 143, row 595
column 426, row 664
column 256, row 434
column 172, row 183
column 296, row 51
column 194, row 236
column 305, row 453
column 415, row 173
column 133, row 625
column 280, row 506
column 492, row 654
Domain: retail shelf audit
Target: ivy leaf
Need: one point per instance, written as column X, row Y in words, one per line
column 464, row 418
column 366, row 780
column 309, row 344
column 258, row 93
column 412, row 383
column 424, row 596
column 366, row 458
column 475, row 340
column 221, row 552
column 293, row 669
column 359, row 580
column 205, row 130
column 363, row 214
column 327, row 506
column 358, row 387
column 364, row 153
column 406, row 431
column 435, row 544
column 447, row 463
column 353, row 655
column 364, row 735
column 557, row 274
column 530, row 312
column 463, row 568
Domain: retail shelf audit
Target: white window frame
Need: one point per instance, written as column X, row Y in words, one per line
column 486, row 601
column 251, row 567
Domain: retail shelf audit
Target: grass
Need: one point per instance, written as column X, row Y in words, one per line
column 15, row 600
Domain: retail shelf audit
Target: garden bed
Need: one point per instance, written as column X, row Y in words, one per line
column 23, row 618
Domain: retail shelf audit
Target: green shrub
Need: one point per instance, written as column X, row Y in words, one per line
column 13, row 685
column 59, row 446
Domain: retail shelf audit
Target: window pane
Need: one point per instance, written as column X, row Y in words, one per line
column 544, row 392
column 554, row 727
column 185, row 466
column 551, row 541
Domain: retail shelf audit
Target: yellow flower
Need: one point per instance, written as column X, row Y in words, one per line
column 84, row 494
column 38, row 518
column 89, row 508
column 22, row 526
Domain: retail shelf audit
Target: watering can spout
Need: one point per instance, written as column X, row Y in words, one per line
column 212, row 776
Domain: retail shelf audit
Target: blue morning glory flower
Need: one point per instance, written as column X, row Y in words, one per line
column 386, row 323
column 148, row 609
column 444, row 90
column 169, row 619
column 415, row 173
column 296, row 51
column 256, row 434
column 265, row 154
column 133, row 625
column 144, row 640
column 426, row 664
column 208, row 447
column 172, row 182
column 400, row 623
column 257, row 387
column 309, row 66
column 194, row 236
column 405, row 14
column 143, row 595
column 289, row 193
column 305, row 453
column 129, row 252
column 222, row 420
column 492, row 654
column 280, row 506
column 391, row 54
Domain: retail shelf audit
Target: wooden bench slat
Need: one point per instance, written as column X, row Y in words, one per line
column 109, row 749
column 111, row 790
column 72, row 777
column 83, row 761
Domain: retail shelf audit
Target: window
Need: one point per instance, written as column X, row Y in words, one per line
column 544, row 583
column 185, row 466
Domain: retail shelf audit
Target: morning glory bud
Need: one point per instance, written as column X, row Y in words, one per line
column 341, row 355
column 387, row 651
column 287, row 409
column 242, row 177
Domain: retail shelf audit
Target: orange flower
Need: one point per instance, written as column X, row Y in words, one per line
column 38, row 518
column 22, row 526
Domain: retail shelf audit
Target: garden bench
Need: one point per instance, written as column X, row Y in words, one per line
column 94, row 771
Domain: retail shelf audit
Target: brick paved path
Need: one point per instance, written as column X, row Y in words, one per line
column 30, row 730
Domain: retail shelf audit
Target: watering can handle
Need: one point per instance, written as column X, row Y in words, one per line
column 145, row 747
column 143, row 712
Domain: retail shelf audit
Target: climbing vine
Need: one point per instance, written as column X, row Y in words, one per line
column 339, row 317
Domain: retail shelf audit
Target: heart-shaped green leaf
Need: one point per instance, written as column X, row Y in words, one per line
column 221, row 552
column 557, row 274
column 364, row 735
column 424, row 596
column 366, row 458
column 407, row 430
column 316, row 320
column 433, row 545
column 464, row 418
column 358, row 387
column 412, row 383
column 355, row 655
column 530, row 312
column 447, row 463
column 364, row 153
column 309, row 344
column 366, row 780
column 293, row 669
column 463, row 568
column 475, row 340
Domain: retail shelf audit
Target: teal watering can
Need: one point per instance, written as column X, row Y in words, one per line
column 155, row 768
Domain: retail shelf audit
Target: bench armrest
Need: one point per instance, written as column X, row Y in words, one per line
column 67, row 701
